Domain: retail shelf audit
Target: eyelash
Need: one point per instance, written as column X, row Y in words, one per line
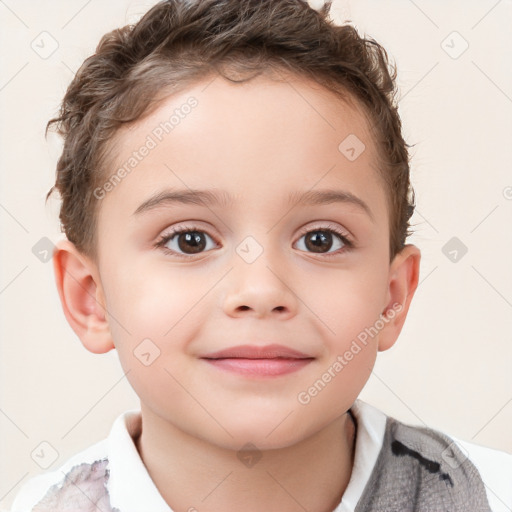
column 178, row 230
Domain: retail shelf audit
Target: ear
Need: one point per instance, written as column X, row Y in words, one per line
column 82, row 297
column 403, row 281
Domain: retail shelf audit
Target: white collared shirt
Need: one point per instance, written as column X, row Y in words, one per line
column 131, row 489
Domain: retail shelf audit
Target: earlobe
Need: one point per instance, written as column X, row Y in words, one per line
column 82, row 297
column 403, row 281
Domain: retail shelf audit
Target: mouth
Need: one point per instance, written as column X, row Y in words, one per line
column 257, row 361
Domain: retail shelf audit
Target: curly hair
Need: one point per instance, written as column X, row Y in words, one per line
column 177, row 43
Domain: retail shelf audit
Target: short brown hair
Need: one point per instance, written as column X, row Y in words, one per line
column 179, row 42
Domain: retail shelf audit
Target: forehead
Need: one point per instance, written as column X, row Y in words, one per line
column 257, row 140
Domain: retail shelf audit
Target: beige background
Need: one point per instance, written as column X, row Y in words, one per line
column 450, row 368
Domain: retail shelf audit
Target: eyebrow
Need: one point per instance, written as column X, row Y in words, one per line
column 328, row 196
column 215, row 197
column 189, row 196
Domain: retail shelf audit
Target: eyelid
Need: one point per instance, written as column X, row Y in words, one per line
column 180, row 227
column 304, row 230
column 326, row 225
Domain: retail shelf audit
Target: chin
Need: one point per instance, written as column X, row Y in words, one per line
column 251, row 442
column 264, row 435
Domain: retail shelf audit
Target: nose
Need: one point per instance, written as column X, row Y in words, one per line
column 261, row 288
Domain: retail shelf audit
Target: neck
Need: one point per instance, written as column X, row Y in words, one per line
column 194, row 475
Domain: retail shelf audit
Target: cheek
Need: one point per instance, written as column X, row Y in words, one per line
column 331, row 393
column 154, row 315
column 348, row 302
column 348, row 320
column 154, row 300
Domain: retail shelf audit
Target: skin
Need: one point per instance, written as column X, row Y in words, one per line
column 258, row 141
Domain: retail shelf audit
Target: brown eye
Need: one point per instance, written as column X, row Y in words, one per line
column 186, row 242
column 321, row 241
column 191, row 241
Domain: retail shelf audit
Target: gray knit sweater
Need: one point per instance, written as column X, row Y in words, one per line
column 422, row 470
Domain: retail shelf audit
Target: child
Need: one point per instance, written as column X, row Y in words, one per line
column 210, row 151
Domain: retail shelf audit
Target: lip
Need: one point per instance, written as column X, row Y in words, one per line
column 258, row 352
column 259, row 361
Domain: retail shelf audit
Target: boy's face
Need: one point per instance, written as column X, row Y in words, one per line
column 257, row 271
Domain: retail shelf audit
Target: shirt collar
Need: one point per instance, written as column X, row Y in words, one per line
column 132, row 490
column 129, row 485
column 371, row 426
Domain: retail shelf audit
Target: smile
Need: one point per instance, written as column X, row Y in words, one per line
column 258, row 361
